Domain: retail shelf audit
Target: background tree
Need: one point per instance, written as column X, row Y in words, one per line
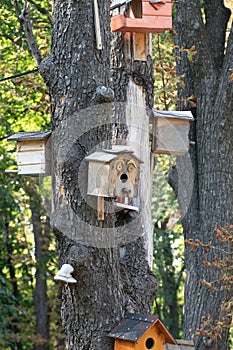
column 204, row 57
column 27, row 254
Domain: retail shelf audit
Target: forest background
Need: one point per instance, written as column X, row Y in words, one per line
column 29, row 298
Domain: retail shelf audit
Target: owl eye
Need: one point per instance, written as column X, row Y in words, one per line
column 130, row 167
column 119, row 166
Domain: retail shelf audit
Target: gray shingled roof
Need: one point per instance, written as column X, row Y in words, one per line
column 133, row 326
column 26, row 136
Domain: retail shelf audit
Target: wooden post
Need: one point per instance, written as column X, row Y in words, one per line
column 100, row 208
column 97, row 26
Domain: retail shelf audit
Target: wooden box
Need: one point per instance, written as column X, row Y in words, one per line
column 171, row 132
column 113, row 173
column 143, row 16
column 140, row 332
column 33, row 152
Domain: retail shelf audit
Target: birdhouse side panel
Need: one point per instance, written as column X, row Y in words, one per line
column 172, row 136
column 124, row 345
column 98, row 179
column 48, row 156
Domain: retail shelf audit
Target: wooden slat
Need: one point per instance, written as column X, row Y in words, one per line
column 30, row 145
column 35, row 157
column 32, row 169
column 147, row 24
column 163, row 10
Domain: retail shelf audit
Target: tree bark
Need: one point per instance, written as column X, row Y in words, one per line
column 40, row 297
column 206, row 77
column 110, row 257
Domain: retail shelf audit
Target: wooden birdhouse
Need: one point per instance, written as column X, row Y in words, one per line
column 141, row 16
column 113, row 173
column 171, row 132
column 33, row 152
column 141, row 332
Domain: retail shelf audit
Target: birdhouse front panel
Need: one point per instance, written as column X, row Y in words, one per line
column 113, row 174
column 142, row 16
column 171, row 132
column 33, row 157
column 172, row 136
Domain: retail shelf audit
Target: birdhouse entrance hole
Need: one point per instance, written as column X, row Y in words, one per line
column 150, row 343
column 124, row 178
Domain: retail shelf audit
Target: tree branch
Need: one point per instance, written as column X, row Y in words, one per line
column 191, row 28
column 27, row 25
column 216, row 12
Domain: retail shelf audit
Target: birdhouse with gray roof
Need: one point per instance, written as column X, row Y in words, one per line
column 113, row 173
column 141, row 16
column 33, row 152
column 170, row 133
column 141, row 332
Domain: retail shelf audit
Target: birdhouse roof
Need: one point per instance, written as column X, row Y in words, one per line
column 133, row 326
column 107, row 155
column 182, row 115
column 26, row 136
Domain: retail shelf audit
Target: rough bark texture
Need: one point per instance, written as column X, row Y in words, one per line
column 207, row 78
column 109, row 257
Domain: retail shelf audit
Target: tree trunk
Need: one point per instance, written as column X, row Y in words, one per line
column 207, row 84
column 110, row 257
column 9, row 251
column 40, row 297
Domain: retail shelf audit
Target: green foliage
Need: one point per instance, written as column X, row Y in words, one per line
column 168, row 236
column 24, row 106
column 168, row 261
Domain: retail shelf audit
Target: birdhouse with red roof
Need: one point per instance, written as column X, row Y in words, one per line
column 141, row 332
column 141, row 16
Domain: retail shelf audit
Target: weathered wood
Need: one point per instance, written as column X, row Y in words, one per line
column 100, row 208
column 172, row 136
column 34, row 157
column 97, row 26
column 112, row 174
column 140, row 46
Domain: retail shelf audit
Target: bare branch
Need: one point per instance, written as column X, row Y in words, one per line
column 27, row 25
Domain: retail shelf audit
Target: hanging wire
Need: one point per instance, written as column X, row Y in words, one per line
column 19, row 75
